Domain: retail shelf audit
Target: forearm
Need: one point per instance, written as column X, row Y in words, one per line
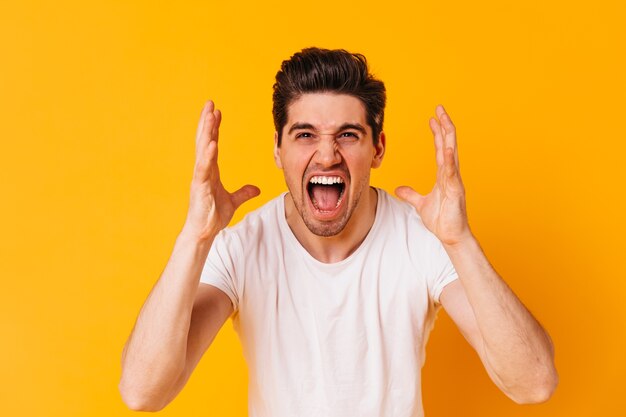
column 516, row 350
column 155, row 353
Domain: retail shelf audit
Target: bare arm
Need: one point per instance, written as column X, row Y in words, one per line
column 181, row 317
column 516, row 351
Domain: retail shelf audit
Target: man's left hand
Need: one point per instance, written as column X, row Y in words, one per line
column 443, row 210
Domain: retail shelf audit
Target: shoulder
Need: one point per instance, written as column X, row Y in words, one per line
column 398, row 211
column 395, row 206
column 403, row 219
column 261, row 221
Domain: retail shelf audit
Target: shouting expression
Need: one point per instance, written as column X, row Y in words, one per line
column 326, row 154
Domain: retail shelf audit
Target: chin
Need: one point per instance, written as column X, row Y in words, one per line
column 325, row 229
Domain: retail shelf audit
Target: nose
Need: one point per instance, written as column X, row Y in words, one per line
column 327, row 153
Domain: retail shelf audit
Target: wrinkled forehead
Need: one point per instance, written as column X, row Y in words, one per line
column 326, row 112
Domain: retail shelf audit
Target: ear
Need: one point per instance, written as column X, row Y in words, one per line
column 379, row 150
column 277, row 160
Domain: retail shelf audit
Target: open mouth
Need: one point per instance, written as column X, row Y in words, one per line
column 326, row 192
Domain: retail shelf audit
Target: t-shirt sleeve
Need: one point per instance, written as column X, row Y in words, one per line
column 220, row 267
column 443, row 272
column 430, row 257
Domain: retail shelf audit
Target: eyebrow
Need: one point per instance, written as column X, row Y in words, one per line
column 345, row 126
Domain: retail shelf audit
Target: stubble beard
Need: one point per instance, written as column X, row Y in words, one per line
column 334, row 227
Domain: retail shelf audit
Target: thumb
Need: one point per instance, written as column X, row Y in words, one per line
column 411, row 196
column 244, row 194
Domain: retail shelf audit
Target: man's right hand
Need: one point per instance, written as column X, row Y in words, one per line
column 180, row 318
column 211, row 207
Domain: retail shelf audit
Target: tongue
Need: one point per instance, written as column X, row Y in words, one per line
column 325, row 196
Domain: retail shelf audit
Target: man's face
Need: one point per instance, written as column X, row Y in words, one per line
column 326, row 154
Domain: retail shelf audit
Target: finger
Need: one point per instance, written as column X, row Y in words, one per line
column 449, row 130
column 208, row 107
column 244, row 194
column 449, row 164
column 216, row 127
column 207, row 165
column 206, row 135
column 411, row 196
column 438, row 136
column 201, row 121
column 451, row 174
column 212, row 152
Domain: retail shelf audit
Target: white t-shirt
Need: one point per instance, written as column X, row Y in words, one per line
column 332, row 340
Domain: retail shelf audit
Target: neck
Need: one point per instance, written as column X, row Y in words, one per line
column 335, row 248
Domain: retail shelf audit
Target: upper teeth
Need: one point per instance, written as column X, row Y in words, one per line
column 319, row 179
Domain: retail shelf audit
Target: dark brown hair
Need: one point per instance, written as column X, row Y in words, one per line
column 315, row 70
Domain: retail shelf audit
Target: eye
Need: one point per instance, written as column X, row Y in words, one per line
column 351, row 135
column 304, row 135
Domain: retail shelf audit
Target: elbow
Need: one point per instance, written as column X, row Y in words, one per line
column 141, row 406
column 137, row 401
column 542, row 390
column 146, row 390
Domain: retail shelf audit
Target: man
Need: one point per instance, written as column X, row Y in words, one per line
column 333, row 286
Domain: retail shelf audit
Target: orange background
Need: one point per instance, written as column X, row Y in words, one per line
column 98, row 108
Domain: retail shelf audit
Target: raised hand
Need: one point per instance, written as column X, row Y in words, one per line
column 211, row 207
column 443, row 210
